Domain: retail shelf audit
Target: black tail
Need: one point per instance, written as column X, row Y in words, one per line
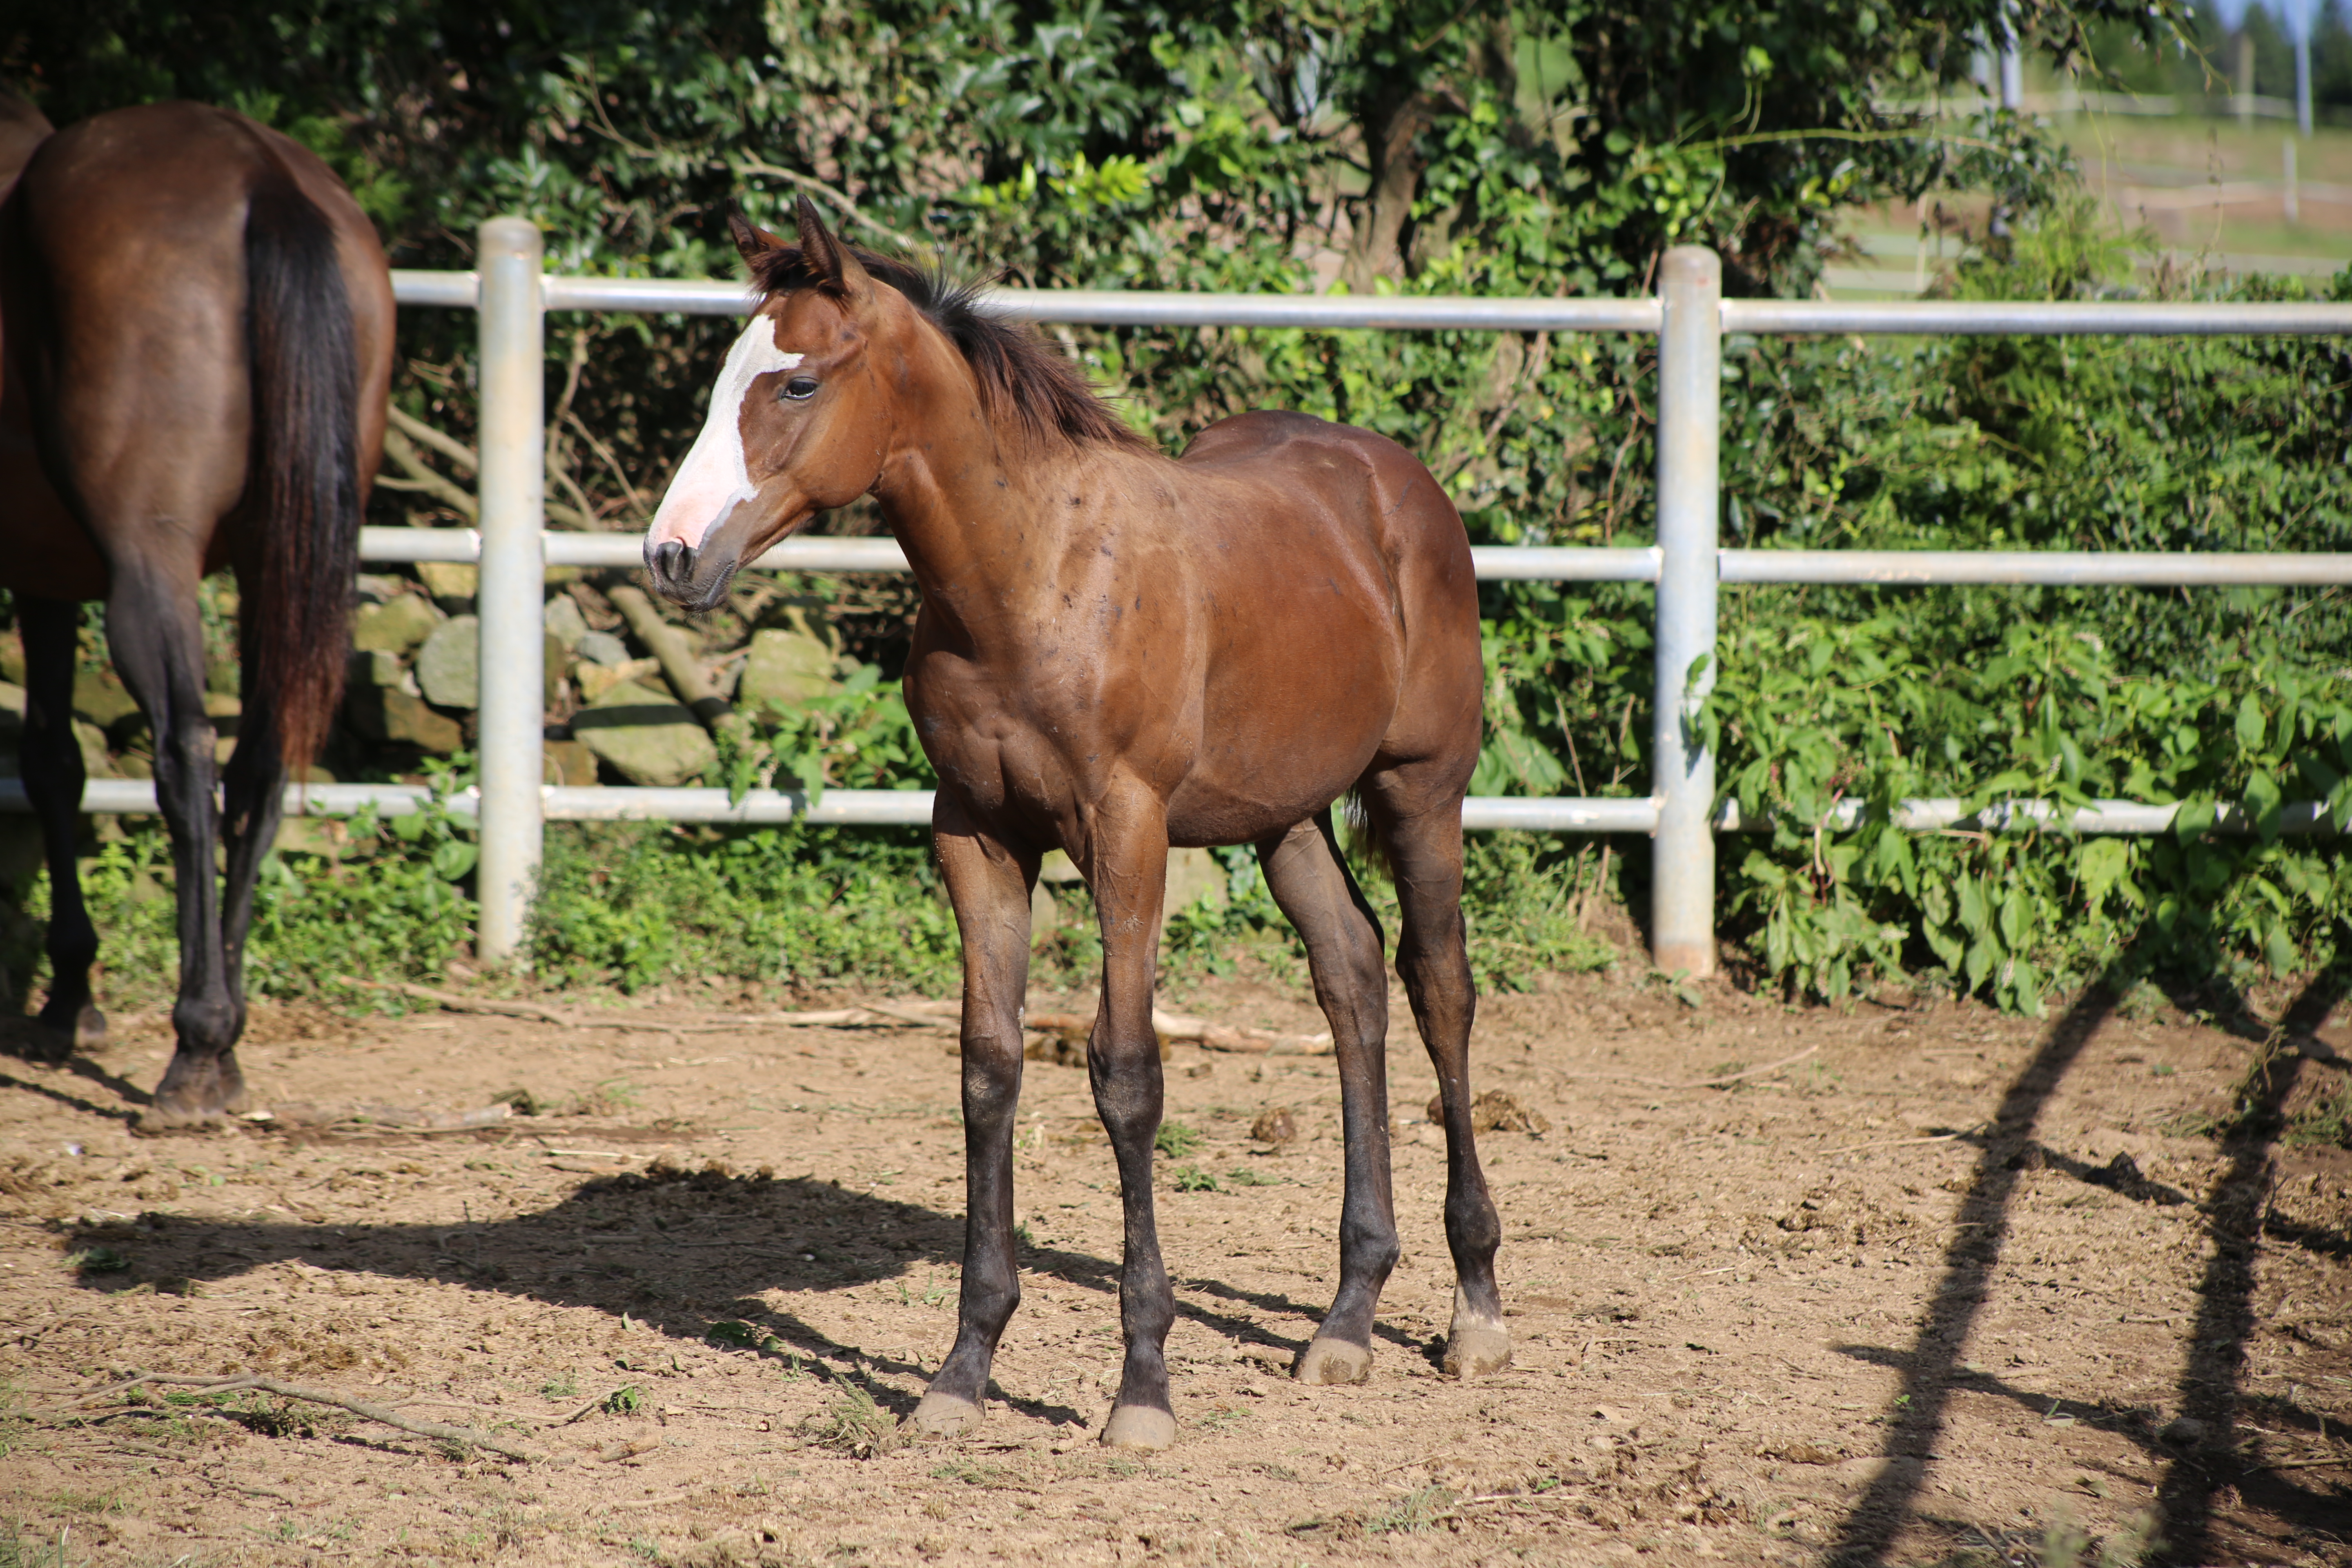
column 1367, row 837
column 303, row 490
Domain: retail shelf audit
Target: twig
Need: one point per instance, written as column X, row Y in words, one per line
column 742, row 166
column 456, row 1003
column 1751, row 1072
column 1900, row 1142
column 379, row 1414
column 1694, row 1083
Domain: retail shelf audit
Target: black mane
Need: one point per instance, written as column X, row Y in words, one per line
column 1024, row 381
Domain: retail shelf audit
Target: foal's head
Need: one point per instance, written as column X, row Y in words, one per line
column 813, row 396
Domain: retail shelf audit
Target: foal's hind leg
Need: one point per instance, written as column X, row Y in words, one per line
column 1424, row 842
column 51, row 764
column 1309, row 881
column 158, row 644
column 988, row 885
column 253, row 803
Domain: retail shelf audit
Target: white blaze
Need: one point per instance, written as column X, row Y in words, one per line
column 714, row 479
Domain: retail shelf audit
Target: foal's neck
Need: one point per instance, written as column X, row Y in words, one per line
column 981, row 510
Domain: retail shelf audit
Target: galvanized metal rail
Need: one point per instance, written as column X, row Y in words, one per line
column 512, row 297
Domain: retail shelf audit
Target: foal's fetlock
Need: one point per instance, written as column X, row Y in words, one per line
column 1478, row 1343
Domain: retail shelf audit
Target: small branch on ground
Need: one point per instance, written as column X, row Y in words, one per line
column 920, row 1015
column 383, row 1416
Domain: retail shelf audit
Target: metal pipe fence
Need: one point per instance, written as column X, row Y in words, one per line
column 1687, row 563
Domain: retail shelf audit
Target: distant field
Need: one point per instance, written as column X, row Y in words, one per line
column 2210, row 190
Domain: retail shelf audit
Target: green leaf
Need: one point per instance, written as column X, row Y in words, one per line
column 2103, row 863
column 2250, row 723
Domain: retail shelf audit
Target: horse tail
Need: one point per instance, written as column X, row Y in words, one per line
column 303, row 495
column 1367, row 836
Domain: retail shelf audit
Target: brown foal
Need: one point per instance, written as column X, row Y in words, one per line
column 198, row 346
column 1116, row 653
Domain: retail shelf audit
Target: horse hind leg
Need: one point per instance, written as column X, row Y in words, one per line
column 1423, row 835
column 52, row 766
column 158, row 646
column 1311, row 883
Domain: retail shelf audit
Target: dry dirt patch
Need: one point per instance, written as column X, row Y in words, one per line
column 1945, row 1286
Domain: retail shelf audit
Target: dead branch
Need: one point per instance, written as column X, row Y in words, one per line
column 740, row 166
column 1173, row 1027
column 462, row 457
column 866, row 1014
column 381, row 1414
column 400, row 438
column 688, row 675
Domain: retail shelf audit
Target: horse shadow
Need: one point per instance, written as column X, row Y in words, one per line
column 683, row 1252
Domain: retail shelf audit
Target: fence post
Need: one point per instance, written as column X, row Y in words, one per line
column 513, row 573
column 1690, row 367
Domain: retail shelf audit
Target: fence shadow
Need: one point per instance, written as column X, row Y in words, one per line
column 1931, row 1369
column 2209, row 1389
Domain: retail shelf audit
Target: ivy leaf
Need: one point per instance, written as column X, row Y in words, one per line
column 2265, row 805
column 2250, row 723
column 2103, row 864
column 453, row 859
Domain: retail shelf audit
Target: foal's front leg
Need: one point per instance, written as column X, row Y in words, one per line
column 989, row 884
column 1127, row 867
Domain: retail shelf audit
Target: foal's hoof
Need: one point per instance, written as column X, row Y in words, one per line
column 1138, row 1426
column 177, row 1116
column 1333, row 1361
column 944, row 1415
column 1477, row 1344
column 89, row 1029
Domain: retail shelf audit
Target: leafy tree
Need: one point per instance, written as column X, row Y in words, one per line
column 1469, row 146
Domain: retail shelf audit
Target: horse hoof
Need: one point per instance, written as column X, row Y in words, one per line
column 944, row 1415
column 1475, row 1348
column 1333, row 1361
column 1138, row 1426
column 90, row 1030
column 175, row 1116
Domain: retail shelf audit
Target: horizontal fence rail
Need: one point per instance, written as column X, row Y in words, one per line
column 1689, row 317
column 1480, row 814
column 1537, row 563
column 1145, row 308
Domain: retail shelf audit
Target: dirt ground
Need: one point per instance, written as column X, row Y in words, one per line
column 1946, row 1287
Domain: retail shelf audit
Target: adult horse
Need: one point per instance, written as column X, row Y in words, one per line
column 1119, row 652
column 198, row 333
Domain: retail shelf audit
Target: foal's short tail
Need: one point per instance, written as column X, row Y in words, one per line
column 303, row 490
column 1367, row 836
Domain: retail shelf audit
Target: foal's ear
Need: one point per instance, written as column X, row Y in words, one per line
column 750, row 238
column 836, row 269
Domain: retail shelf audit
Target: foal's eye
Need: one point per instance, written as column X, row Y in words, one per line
column 798, row 388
